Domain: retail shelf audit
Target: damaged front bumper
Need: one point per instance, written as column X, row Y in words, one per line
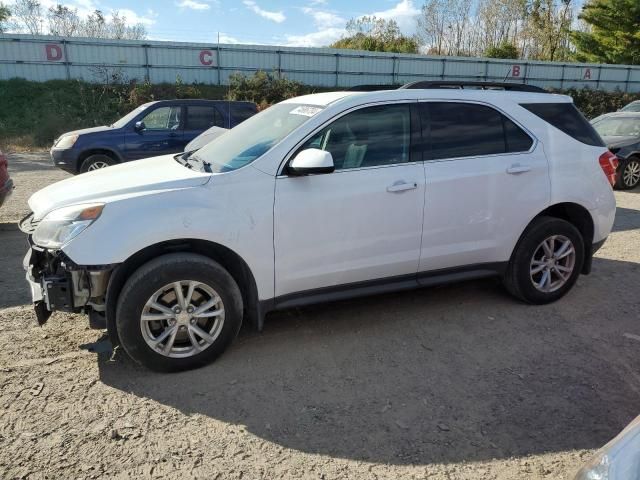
column 58, row 284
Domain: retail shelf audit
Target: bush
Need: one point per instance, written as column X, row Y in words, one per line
column 263, row 88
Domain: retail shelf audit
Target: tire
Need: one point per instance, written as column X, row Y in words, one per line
column 530, row 255
column 628, row 174
column 186, row 348
column 96, row 162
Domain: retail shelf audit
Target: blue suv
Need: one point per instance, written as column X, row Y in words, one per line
column 155, row 128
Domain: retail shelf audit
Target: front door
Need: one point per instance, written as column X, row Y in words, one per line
column 486, row 178
column 162, row 134
column 363, row 221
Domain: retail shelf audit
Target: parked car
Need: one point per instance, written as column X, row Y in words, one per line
column 324, row 197
column 617, row 460
column 204, row 138
column 621, row 133
column 155, row 128
column 631, row 107
column 6, row 184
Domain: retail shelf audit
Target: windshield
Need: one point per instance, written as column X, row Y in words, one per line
column 254, row 137
column 129, row 116
column 618, row 127
column 632, row 107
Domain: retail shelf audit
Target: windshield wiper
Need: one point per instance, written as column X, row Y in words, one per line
column 190, row 156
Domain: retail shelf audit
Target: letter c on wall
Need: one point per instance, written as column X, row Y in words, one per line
column 206, row 57
column 53, row 51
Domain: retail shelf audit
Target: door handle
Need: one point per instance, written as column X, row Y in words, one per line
column 517, row 168
column 401, row 186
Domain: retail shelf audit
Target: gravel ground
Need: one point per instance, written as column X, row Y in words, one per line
column 458, row 382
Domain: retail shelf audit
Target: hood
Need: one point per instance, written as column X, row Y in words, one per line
column 619, row 141
column 84, row 131
column 120, row 181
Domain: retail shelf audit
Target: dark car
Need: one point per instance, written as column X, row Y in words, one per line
column 621, row 132
column 155, row 128
column 6, row 184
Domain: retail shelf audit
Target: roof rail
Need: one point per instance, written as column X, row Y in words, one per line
column 372, row 88
column 512, row 87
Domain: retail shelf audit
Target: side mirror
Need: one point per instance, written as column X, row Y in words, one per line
column 139, row 127
column 311, row 161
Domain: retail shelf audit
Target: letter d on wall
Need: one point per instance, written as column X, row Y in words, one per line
column 53, row 51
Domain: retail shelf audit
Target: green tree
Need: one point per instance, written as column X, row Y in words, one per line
column 504, row 50
column 376, row 35
column 5, row 13
column 614, row 33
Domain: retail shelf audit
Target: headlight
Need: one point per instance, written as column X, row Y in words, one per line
column 60, row 226
column 66, row 141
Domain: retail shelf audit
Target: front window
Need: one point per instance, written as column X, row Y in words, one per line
column 618, row 127
column 254, row 137
column 368, row 137
column 163, row 118
column 130, row 116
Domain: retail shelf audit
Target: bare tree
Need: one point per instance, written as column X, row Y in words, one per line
column 29, row 16
column 432, row 23
column 63, row 21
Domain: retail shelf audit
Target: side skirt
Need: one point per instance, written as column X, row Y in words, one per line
column 384, row 285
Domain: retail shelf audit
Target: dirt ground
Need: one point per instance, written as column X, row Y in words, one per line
column 458, row 382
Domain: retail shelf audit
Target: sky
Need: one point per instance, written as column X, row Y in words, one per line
column 309, row 23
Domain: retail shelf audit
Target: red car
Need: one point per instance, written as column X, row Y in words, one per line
column 6, row 184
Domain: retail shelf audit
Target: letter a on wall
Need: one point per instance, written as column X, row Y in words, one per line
column 587, row 74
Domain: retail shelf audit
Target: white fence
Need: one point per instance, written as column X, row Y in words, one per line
column 42, row 58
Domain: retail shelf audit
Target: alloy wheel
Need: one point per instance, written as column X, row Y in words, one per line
column 631, row 174
column 552, row 263
column 182, row 319
column 97, row 166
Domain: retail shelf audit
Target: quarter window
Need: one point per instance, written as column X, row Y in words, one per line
column 567, row 118
column 368, row 137
column 454, row 130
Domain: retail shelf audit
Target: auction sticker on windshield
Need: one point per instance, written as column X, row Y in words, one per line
column 305, row 110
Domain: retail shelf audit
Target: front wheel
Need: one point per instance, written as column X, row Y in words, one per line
column 546, row 262
column 97, row 161
column 177, row 312
column 628, row 176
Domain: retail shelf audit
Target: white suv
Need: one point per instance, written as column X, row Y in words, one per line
column 324, row 197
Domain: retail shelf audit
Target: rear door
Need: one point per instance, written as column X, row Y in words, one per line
column 486, row 178
column 200, row 118
column 162, row 134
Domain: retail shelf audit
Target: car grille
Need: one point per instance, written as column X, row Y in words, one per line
column 28, row 224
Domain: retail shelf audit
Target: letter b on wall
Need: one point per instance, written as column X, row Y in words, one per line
column 53, row 51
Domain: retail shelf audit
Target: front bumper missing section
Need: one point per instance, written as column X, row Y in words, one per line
column 58, row 284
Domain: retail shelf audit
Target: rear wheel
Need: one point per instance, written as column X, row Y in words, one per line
column 177, row 312
column 96, row 162
column 547, row 261
column 628, row 175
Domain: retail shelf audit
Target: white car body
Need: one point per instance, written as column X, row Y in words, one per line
column 304, row 237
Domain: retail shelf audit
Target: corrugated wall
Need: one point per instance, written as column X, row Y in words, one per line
column 43, row 58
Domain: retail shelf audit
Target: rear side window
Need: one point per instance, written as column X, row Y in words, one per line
column 203, row 117
column 242, row 112
column 566, row 117
column 468, row 130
